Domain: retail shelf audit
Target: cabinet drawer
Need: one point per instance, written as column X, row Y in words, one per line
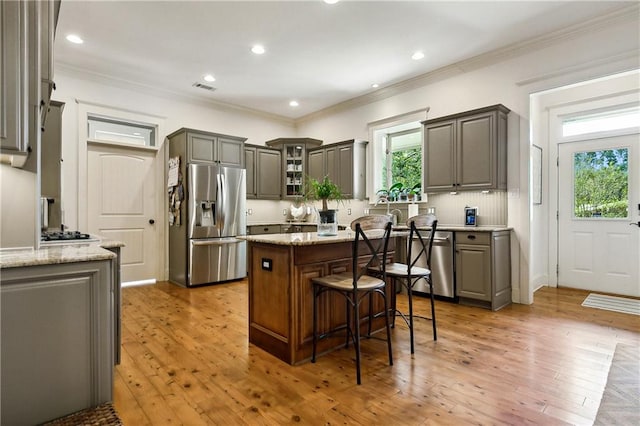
column 483, row 238
column 263, row 229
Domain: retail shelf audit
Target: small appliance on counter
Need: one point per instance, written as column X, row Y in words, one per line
column 60, row 236
column 470, row 216
column 299, row 213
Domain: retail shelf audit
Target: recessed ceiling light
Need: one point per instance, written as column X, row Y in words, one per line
column 375, row 85
column 294, row 103
column 417, row 55
column 75, row 39
column 331, row 1
column 209, row 78
column 258, row 49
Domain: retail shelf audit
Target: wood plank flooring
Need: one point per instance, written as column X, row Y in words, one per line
column 186, row 360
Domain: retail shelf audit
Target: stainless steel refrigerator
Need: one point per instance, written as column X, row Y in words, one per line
column 203, row 247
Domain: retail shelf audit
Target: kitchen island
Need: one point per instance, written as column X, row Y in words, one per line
column 281, row 267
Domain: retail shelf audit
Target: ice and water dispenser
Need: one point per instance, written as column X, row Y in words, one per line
column 206, row 213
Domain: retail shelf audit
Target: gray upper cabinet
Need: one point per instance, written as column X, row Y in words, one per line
column 294, row 163
column 264, row 172
column 26, row 56
column 206, row 147
column 466, row 151
column 344, row 163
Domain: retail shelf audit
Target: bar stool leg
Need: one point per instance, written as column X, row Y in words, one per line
column 409, row 287
column 386, row 320
column 356, row 318
column 315, row 323
column 433, row 309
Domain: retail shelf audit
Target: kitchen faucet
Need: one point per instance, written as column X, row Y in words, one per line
column 396, row 218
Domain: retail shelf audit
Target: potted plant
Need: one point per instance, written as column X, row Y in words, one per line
column 324, row 190
column 414, row 192
column 391, row 194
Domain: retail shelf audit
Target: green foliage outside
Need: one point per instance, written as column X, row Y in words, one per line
column 601, row 183
column 406, row 168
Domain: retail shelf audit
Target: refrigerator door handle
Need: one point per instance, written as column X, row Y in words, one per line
column 221, row 203
column 216, row 242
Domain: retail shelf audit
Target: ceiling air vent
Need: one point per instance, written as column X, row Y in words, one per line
column 204, row 86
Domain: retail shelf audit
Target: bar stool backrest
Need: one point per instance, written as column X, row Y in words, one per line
column 375, row 245
column 372, row 221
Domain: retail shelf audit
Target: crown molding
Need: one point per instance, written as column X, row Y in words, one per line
column 615, row 17
column 92, row 76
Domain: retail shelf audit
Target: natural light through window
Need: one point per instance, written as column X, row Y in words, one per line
column 601, row 122
column 114, row 130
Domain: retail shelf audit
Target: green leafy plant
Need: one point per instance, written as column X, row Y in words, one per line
column 392, row 193
column 324, row 190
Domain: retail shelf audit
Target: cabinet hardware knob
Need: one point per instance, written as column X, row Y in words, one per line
column 151, row 221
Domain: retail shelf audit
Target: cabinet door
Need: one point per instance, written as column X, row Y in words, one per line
column 476, row 152
column 13, row 96
column 250, row 166
column 201, row 148
column 269, row 172
column 344, row 172
column 229, row 152
column 439, row 156
column 315, row 162
column 473, row 271
column 331, row 166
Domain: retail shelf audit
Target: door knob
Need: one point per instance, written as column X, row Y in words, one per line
column 151, row 221
column 635, row 223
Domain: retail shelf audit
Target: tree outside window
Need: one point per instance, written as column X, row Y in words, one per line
column 601, row 183
column 404, row 159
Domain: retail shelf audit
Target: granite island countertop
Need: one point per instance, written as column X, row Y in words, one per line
column 59, row 253
column 307, row 238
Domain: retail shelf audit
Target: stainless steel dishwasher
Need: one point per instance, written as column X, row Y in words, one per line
column 442, row 262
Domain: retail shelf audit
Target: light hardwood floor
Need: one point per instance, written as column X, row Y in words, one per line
column 186, row 360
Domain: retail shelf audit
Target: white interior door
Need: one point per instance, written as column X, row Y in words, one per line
column 599, row 241
column 121, row 201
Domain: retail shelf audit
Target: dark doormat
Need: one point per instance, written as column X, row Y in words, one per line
column 620, row 404
column 102, row 415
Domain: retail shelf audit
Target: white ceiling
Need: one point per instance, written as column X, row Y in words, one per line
column 317, row 54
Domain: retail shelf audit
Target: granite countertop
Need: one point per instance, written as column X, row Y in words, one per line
column 483, row 228
column 307, row 238
column 59, row 253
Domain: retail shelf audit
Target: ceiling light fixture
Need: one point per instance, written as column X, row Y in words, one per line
column 258, row 49
column 210, row 78
column 74, row 39
column 417, row 55
column 294, row 103
column 331, row 1
column 375, row 85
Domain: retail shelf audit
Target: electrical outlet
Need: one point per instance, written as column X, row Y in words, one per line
column 249, row 212
column 284, row 212
column 366, row 211
column 349, row 212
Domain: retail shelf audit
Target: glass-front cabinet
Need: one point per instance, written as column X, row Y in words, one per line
column 294, row 163
column 294, row 168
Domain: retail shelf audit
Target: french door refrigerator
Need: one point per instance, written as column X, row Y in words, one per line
column 205, row 249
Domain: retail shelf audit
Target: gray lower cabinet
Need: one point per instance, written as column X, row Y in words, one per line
column 207, row 147
column 344, row 163
column 466, row 151
column 57, row 340
column 264, row 172
column 483, row 268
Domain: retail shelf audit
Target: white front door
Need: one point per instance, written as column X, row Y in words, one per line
column 598, row 237
column 121, row 201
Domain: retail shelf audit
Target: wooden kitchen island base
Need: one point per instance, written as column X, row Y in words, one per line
column 281, row 267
